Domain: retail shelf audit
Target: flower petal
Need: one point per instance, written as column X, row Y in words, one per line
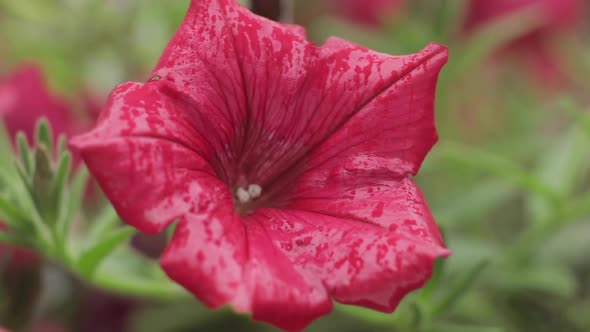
column 222, row 260
column 396, row 205
column 147, row 154
column 208, row 252
column 352, row 102
column 240, row 69
column 358, row 263
column 391, row 123
column 150, row 182
column 283, row 96
column 282, row 294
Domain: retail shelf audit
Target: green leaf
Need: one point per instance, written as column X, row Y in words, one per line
column 561, row 168
column 61, row 176
column 368, row 315
column 62, row 142
column 445, row 327
column 5, row 147
column 502, row 168
column 74, row 199
column 42, row 183
column 93, row 256
column 104, row 223
column 12, row 216
column 25, row 154
column 43, row 134
column 581, row 118
column 454, row 294
column 483, row 196
column 24, row 195
column 550, row 278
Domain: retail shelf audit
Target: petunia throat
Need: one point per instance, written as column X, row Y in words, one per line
column 245, row 197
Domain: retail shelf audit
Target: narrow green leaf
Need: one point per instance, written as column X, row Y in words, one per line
column 61, row 176
column 74, row 197
column 25, row 178
column 561, row 167
column 24, row 195
column 13, row 217
column 476, row 201
column 43, row 134
column 25, row 154
column 42, row 184
column 502, row 168
column 62, row 142
column 582, row 119
column 5, row 146
column 448, row 300
column 554, row 279
column 93, row 256
column 104, row 223
column 463, row 328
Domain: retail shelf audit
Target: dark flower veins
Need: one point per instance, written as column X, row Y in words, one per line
column 286, row 164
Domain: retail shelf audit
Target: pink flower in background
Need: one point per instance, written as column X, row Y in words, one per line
column 288, row 166
column 24, row 98
column 558, row 16
column 369, row 12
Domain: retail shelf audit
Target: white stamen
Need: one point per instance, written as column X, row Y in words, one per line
column 254, row 190
column 242, row 195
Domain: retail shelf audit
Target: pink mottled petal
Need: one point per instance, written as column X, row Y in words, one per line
column 282, row 294
column 395, row 205
column 357, row 262
column 147, row 154
column 224, row 261
column 208, row 253
column 354, row 103
column 149, row 110
column 150, row 182
column 240, row 69
column 391, row 127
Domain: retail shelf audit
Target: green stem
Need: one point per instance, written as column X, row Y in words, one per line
column 149, row 289
column 531, row 240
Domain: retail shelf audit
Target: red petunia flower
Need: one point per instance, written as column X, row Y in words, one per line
column 558, row 16
column 369, row 12
column 287, row 165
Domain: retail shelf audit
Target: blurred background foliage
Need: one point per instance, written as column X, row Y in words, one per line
column 508, row 181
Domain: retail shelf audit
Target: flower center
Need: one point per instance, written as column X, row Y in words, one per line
column 245, row 197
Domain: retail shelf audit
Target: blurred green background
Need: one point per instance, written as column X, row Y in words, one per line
column 508, row 181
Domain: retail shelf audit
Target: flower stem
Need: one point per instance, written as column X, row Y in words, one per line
column 150, row 289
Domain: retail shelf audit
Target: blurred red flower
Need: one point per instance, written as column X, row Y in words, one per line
column 287, row 165
column 25, row 97
column 557, row 16
column 369, row 12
